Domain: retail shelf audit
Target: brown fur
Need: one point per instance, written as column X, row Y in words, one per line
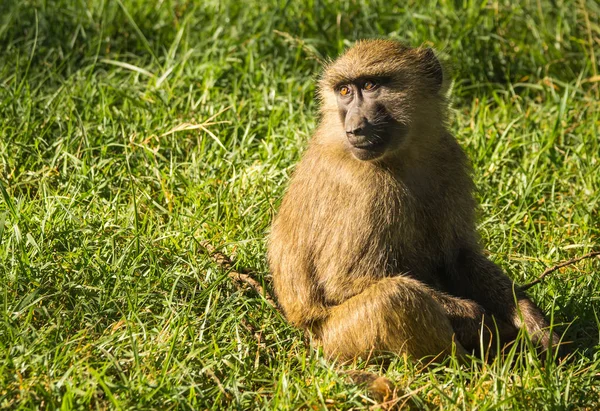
column 383, row 255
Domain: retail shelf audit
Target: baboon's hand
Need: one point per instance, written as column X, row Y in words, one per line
column 477, row 328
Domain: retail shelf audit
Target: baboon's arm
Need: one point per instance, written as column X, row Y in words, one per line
column 395, row 314
column 297, row 292
column 473, row 326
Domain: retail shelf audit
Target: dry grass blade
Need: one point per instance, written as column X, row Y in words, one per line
column 309, row 50
column 201, row 126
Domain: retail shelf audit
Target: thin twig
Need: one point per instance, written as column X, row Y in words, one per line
column 217, row 381
column 239, row 277
column 557, row 267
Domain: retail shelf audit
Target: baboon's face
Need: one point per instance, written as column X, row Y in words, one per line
column 382, row 91
column 370, row 126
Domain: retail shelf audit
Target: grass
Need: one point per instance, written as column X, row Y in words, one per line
column 131, row 130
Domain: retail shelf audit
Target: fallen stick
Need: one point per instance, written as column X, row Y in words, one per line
column 552, row 269
column 242, row 277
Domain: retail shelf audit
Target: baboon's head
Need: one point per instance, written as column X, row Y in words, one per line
column 385, row 94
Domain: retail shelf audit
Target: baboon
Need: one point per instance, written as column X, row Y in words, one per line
column 374, row 247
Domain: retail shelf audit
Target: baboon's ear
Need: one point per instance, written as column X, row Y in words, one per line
column 435, row 71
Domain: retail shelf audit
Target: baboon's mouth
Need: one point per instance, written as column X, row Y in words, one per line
column 370, row 140
column 368, row 150
column 369, row 145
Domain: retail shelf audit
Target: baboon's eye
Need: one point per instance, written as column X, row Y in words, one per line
column 369, row 85
column 344, row 90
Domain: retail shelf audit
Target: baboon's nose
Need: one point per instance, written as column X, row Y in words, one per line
column 358, row 131
column 356, row 127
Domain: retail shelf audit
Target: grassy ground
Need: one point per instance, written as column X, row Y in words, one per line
column 132, row 130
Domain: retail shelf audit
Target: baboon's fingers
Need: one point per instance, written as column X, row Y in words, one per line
column 379, row 387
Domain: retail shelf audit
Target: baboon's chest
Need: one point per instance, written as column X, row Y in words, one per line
column 361, row 239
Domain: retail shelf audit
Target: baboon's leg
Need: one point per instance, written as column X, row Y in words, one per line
column 474, row 327
column 396, row 314
column 481, row 280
